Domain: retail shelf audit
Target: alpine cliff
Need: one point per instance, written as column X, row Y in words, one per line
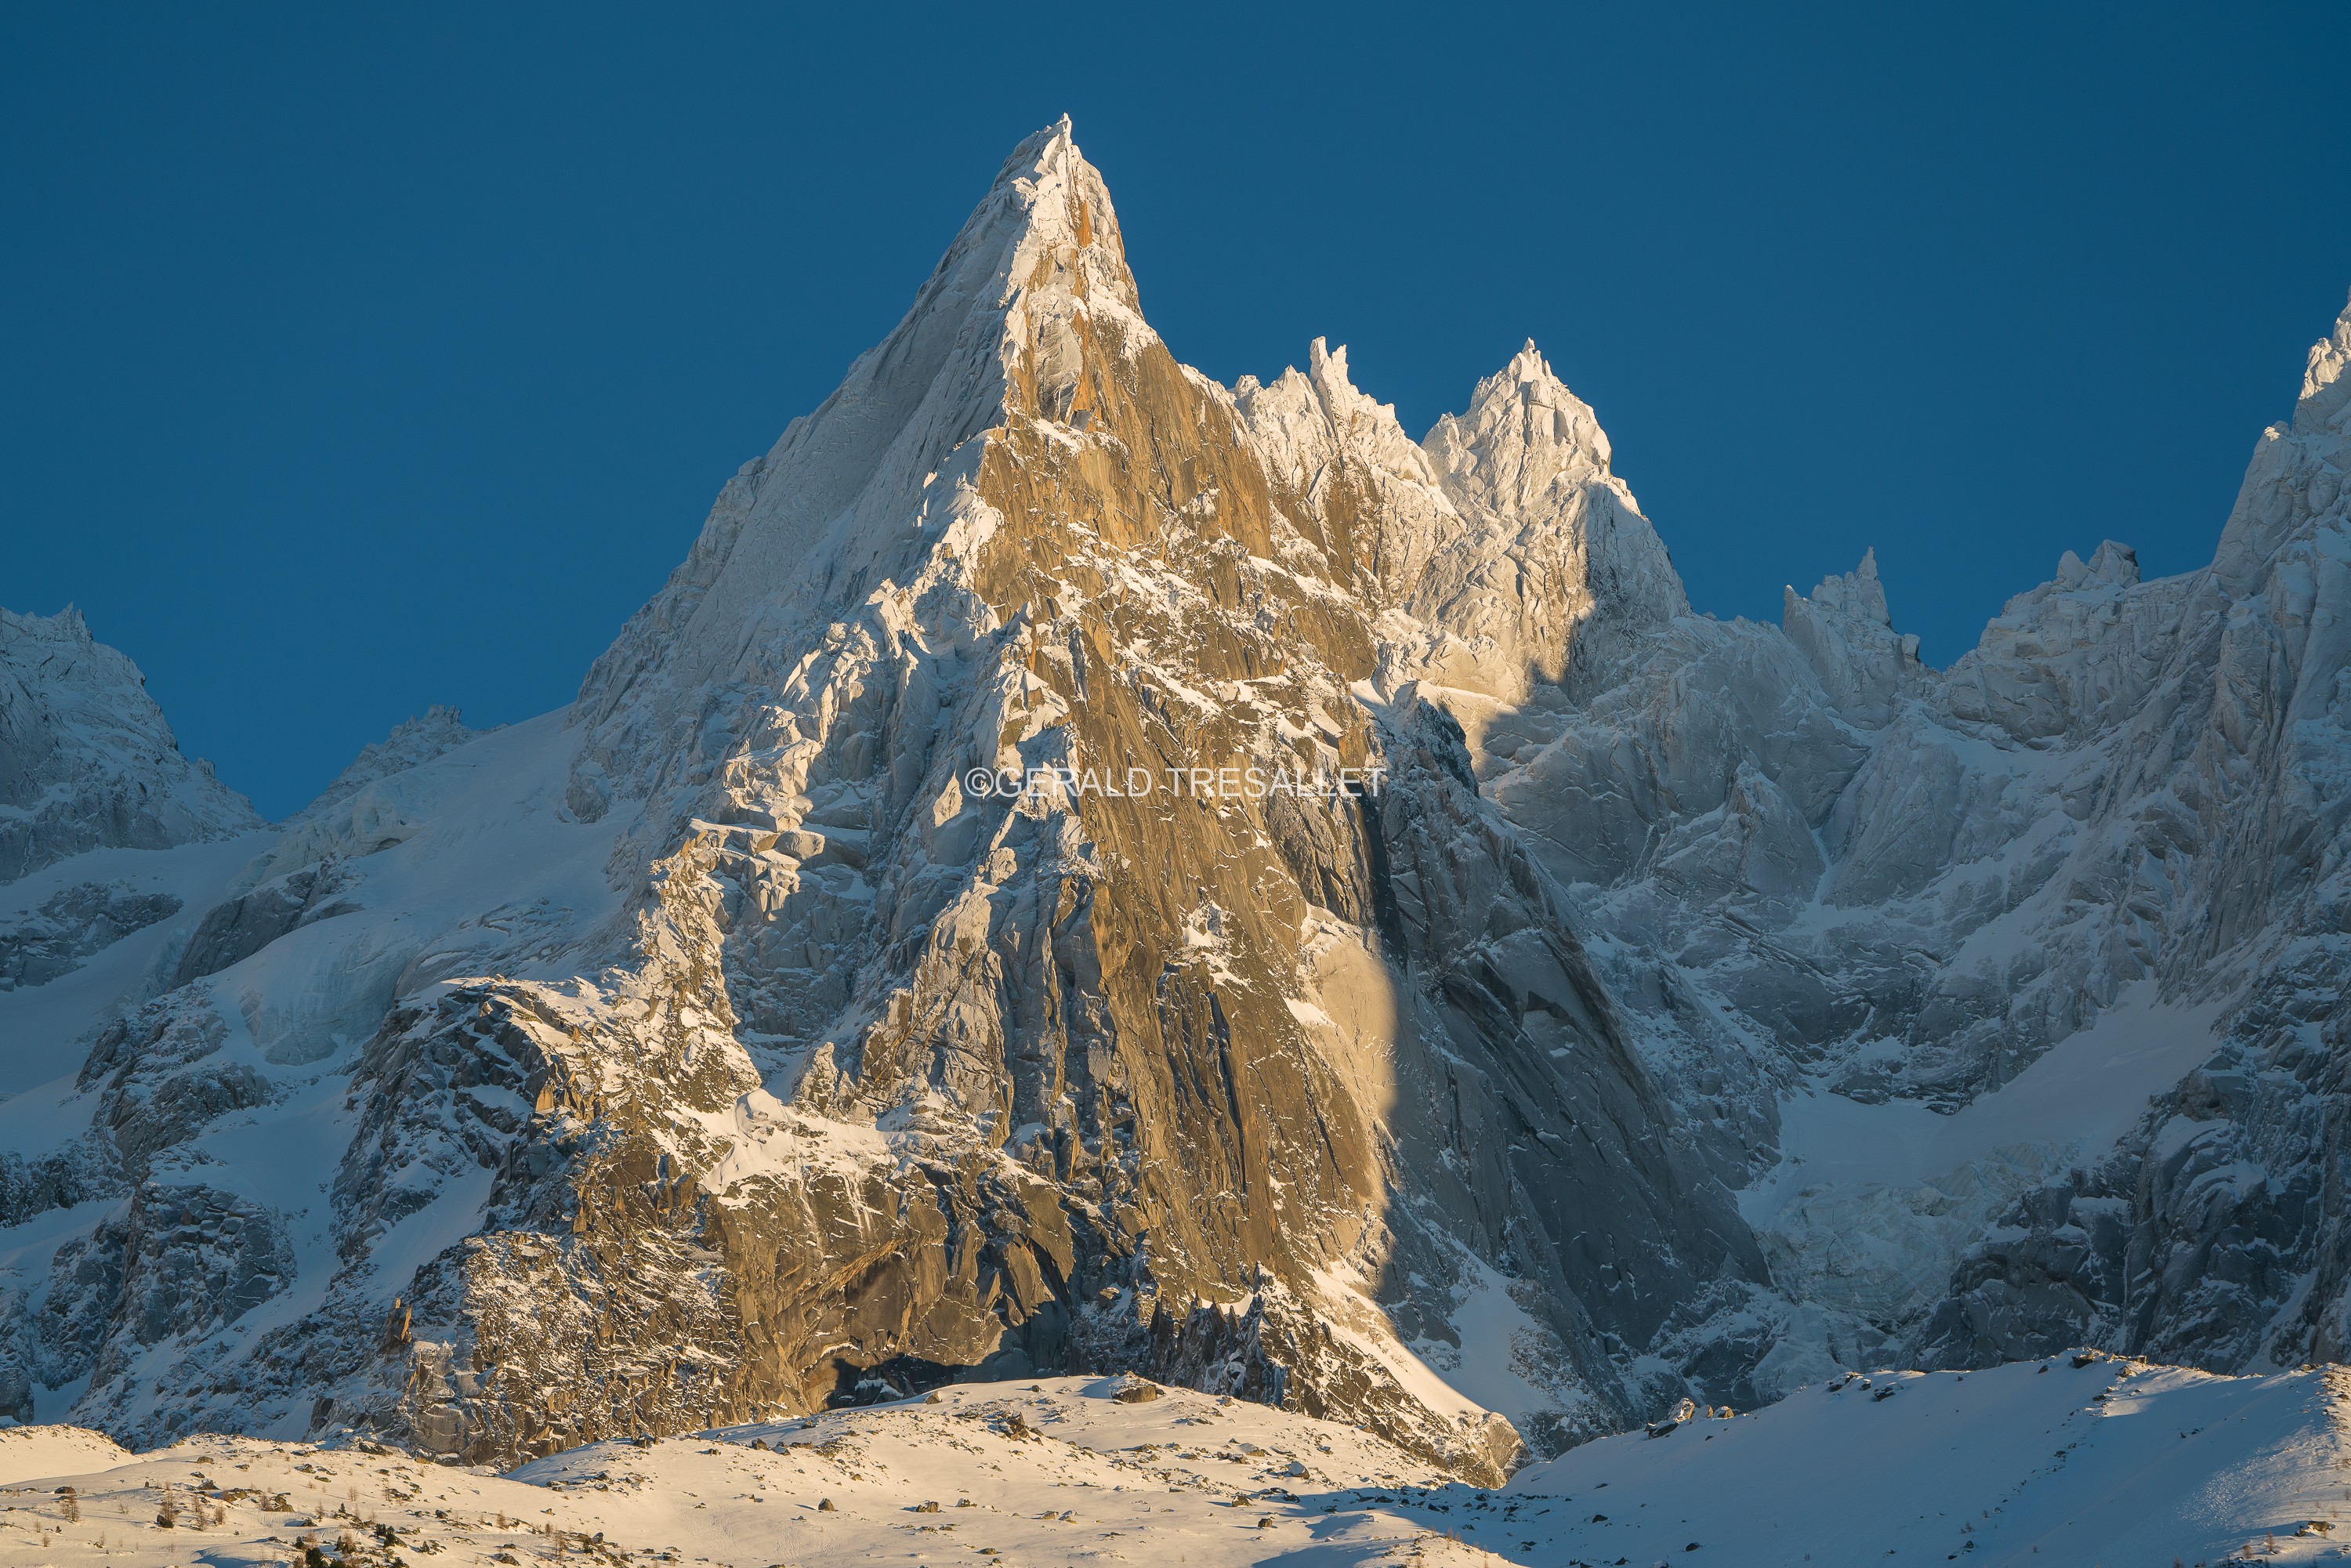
column 1085, row 869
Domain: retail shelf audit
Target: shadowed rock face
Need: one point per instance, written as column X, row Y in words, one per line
column 54, row 937
column 85, row 759
column 1085, row 869
column 1823, row 866
column 246, row 925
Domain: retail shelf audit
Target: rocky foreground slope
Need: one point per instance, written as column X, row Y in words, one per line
column 2102, row 1461
column 1086, row 869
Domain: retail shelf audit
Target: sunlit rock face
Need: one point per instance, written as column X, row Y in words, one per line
column 1083, row 868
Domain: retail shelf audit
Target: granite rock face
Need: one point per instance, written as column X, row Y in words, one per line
column 1081, row 1026
column 1082, row 868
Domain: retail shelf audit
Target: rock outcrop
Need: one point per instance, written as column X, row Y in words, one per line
column 55, row 936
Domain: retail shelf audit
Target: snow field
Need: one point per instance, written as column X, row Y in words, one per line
column 2109, row 1462
column 1055, row 1472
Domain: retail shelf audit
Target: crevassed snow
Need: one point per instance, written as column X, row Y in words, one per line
column 1870, row 1204
column 45, row 1029
column 2038, row 1462
column 2082, row 1093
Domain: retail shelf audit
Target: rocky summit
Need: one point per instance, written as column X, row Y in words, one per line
column 1085, row 869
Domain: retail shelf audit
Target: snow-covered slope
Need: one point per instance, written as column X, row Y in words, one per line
column 409, row 746
column 27, row 1453
column 1085, row 868
column 113, row 845
column 84, row 935
column 2068, row 1460
column 2107, row 1461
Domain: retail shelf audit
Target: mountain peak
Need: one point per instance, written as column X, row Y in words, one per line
column 2325, row 389
column 66, row 626
column 997, row 332
column 1529, row 448
column 1525, row 407
column 87, row 760
column 1855, row 593
column 1062, row 217
column 949, row 942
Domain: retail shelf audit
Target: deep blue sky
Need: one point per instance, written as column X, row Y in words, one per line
column 359, row 361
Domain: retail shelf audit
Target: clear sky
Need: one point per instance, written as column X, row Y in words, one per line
column 361, row 359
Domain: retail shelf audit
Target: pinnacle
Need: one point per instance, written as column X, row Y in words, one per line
column 67, row 623
column 1323, row 361
column 2325, row 389
column 1857, row 593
